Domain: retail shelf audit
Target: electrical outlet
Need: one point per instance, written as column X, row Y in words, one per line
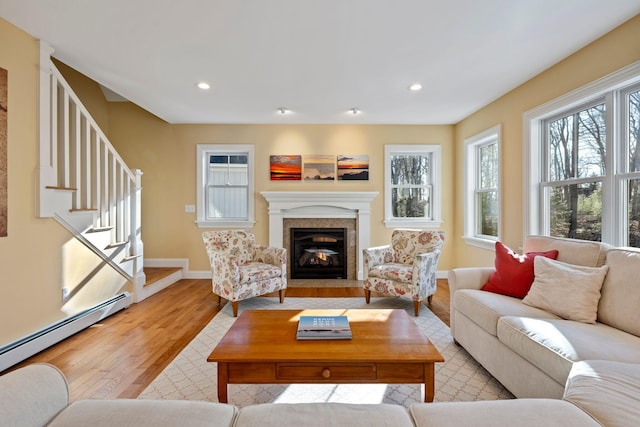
column 189, row 208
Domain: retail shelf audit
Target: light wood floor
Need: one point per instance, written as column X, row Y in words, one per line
column 120, row 356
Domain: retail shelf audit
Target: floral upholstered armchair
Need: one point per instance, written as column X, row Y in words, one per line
column 242, row 269
column 406, row 268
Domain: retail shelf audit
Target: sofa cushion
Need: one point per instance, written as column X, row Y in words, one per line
column 608, row 391
column 554, row 344
column 501, row 413
column 324, row 415
column 485, row 308
column 514, row 272
column 141, row 412
column 621, row 291
column 570, row 291
column 571, row 251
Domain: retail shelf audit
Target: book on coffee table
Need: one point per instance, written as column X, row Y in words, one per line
column 323, row 328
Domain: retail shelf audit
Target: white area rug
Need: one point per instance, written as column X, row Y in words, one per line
column 190, row 376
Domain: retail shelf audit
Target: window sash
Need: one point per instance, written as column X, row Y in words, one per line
column 613, row 90
column 225, row 186
column 482, row 206
column 412, row 189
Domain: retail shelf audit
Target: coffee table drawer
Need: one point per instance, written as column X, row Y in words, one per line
column 325, row 372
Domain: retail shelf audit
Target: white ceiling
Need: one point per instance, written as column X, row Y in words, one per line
column 318, row 58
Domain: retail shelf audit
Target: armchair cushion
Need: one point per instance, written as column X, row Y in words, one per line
column 258, row 271
column 392, row 271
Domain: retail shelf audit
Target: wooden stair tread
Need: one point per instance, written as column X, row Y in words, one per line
column 153, row 274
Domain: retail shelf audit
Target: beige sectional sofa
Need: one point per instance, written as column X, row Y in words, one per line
column 531, row 351
column 598, row 393
column 564, row 372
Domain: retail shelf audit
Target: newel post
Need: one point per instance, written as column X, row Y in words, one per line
column 137, row 247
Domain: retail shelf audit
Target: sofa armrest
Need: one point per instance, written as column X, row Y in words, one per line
column 469, row 278
column 33, row 395
column 425, row 267
column 270, row 255
column 465, row 278
column 375, row 256
column 225, row 270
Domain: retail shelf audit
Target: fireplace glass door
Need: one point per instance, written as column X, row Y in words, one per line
column 318, row 253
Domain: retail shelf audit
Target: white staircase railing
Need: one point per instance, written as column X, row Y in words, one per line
column 83, row 181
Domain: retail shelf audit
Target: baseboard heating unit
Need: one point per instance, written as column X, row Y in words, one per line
column 26, row 347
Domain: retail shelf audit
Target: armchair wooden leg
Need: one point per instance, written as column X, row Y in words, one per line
column 234, row 306
column 367, row 296
column 218, row 299
column 416, row 308
column 281, row 293
column 429, row 298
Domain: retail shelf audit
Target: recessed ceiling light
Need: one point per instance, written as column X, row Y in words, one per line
column 204, row 85
column 354, row 111
column 415, row 87
column 283, row 110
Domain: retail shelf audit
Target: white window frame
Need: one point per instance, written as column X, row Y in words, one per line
column 471, row 179
column 203, row 153
column 534, row 162
column 436, row 161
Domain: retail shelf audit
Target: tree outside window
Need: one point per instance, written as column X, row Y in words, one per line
column 412, row 187
column 632, row 102
column 482, row 188
column 576, row 169
column 583, row 177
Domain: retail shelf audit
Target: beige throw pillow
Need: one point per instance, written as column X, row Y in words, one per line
column 569, row 291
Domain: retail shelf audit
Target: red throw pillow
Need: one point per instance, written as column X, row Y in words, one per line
column 514, row 272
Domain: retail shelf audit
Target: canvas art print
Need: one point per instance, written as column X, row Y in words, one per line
column 319, row 168
column 354, row 168
column 285, row 168
column 3, row 152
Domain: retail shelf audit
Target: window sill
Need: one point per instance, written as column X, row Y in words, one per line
column 225, row 224
column 412, row 223
column 480, row 243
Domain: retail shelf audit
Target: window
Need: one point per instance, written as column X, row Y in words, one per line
column 225, row 186
column 412, row 186
column 584, row 164
column 482, row 188
column 574, row 155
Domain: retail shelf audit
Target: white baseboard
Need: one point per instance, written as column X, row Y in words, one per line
column 195, row 274
column 206, row 274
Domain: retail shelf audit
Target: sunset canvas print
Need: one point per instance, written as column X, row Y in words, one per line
column 354, row 168
column 286, row 168
column 319, row 168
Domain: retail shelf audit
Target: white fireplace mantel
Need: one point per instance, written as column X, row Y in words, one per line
column 321, row 204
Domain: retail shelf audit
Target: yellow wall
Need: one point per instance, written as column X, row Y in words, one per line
column 30, row 257
column 167, row 156
column 613, row 51
column 38, row 257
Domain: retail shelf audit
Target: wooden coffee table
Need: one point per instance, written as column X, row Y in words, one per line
column 387, row 347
